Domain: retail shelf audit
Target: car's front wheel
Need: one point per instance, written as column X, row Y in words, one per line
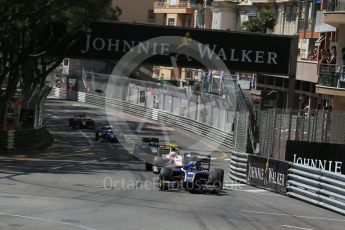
column 148, row 167
column 165, row 175
column 216, row 179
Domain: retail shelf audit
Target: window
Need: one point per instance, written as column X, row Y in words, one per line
column 151, row 16
column 171, row 21
column 66, row 62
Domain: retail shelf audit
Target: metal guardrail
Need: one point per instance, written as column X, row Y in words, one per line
column 201, row 129
column 332, row 75
column 335, row 5
column 316, row 186
column 238, row 166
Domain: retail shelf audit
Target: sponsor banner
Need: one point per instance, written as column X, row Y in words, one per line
column 324, row 156
column 249, row 52
column 271, row 174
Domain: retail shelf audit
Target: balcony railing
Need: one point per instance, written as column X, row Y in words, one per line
column 181, row 4
column 332, row 76
column 335, row 5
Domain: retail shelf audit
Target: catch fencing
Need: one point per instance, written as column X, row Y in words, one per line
column 277, row 126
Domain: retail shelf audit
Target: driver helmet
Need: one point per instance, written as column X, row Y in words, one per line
column 190, row 164
column 173, row 154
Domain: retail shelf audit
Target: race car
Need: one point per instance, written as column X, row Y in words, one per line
column 106, row 134
column 146, row 149
column 194, row 175
column 81, row 121
column 166, row 155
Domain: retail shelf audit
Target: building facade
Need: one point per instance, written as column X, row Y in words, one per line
column 331, row 82
column 138, row 11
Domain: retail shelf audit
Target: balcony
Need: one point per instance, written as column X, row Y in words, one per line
column 181, row 7
column 335, row 12
column 331, row 79
column 286, row 1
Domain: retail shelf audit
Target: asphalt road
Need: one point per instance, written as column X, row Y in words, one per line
column 78, row 183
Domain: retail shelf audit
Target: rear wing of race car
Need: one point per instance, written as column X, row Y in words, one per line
column 150, row 139
column 204, row 159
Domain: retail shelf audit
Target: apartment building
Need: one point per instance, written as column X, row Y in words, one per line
column 331, row 81
column 183, row 13
column 140, row 11
column 293, row 18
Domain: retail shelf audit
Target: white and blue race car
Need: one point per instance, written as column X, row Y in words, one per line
column 194, row 175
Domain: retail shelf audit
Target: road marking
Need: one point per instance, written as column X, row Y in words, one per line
column 302, row 217
column 254, row 190
column 47, row 220
column 5, row 183
column 289, row 226
column 235, row 185
column 59, row 167
column 223, row 156
column 87, row 137
column 91, row 186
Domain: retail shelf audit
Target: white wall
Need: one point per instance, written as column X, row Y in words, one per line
column 225, row 19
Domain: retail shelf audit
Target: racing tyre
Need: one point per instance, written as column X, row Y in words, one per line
column 97, row 135
column 165, row 175
column 90, row 124
column 148, row 167
column 216, row 179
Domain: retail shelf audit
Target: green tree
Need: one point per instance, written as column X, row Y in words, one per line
column 29, row 29
column 266, row 19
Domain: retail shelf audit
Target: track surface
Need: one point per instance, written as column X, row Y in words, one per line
column 81, row 184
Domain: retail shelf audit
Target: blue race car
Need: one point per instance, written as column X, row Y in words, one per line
column 195, row 175
column 106, row 134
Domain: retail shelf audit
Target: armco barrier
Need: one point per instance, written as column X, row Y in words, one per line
column 316, row 186
column 238, row 166
column 204, row 130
